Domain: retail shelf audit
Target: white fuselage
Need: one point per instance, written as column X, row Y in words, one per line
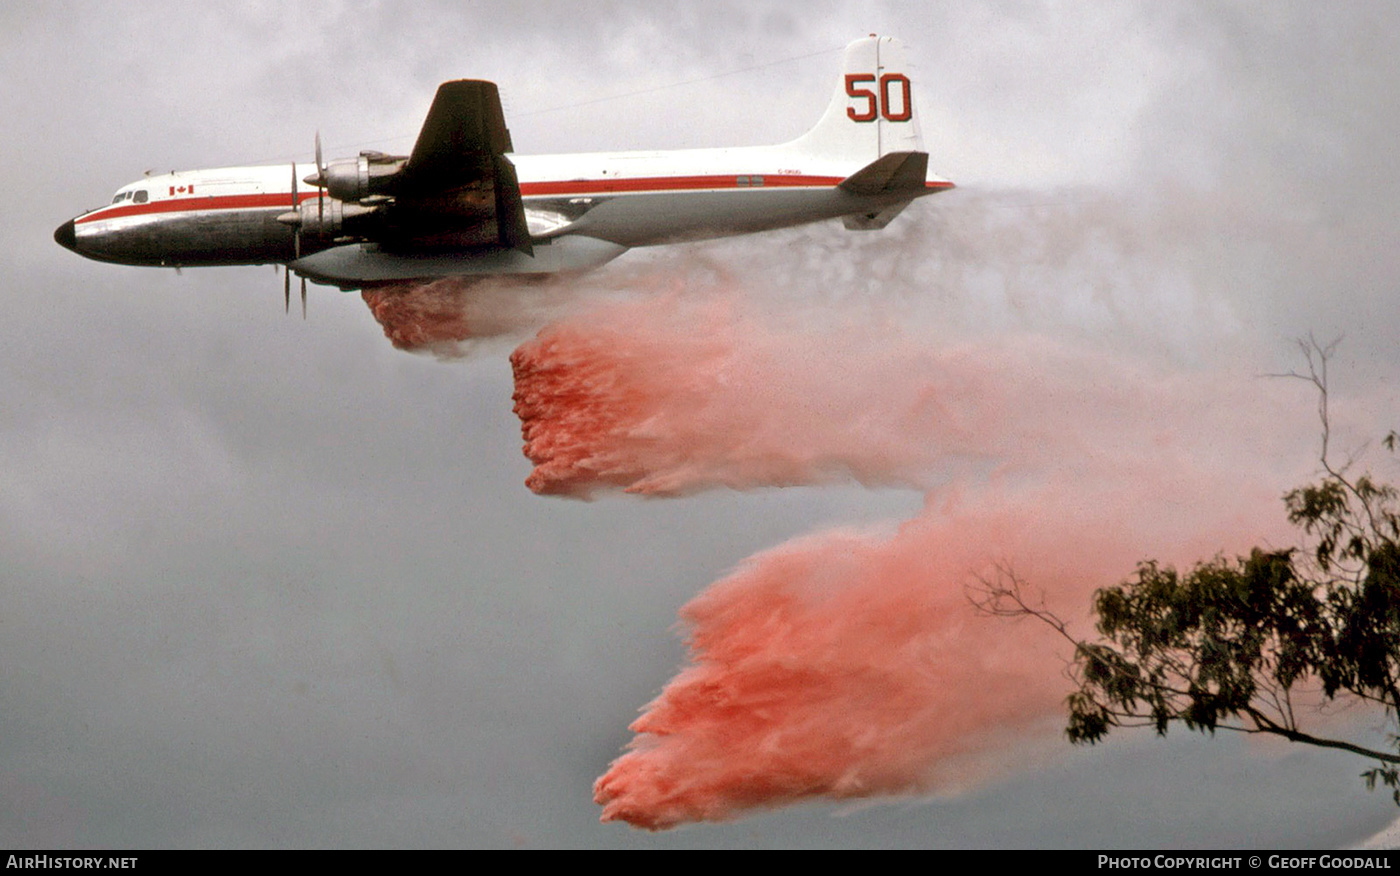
column 229, row 215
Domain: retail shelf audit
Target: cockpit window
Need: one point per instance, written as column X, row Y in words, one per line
column 121, row 196
column 140, row 196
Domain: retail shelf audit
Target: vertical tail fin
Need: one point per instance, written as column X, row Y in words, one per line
column 872, row 110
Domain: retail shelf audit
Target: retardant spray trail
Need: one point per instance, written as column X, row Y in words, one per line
column 444, row 317
column 670, row 395
column 850, row 666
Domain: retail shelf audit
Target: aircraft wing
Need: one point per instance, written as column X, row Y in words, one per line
column 458, row 189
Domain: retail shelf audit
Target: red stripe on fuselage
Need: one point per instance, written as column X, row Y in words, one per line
column 674, row 184
column 203, row 202
column 579, row 187
column 271, row 201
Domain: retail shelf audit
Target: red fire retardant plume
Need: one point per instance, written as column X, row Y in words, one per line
column 442, row 317
column 849, row 665
column 670, row 395
column 852, row 665
column 421, row 317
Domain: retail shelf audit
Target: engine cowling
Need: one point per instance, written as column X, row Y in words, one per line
column 371, row 173
column 330, row 218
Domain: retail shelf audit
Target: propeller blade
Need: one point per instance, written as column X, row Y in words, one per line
column 287, row 288
column 296, row 205
column 303, row 298
column 320, row 183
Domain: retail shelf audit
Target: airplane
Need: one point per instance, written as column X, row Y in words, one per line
column 464, row 203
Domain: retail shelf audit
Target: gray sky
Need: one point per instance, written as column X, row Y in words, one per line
column 269, row 582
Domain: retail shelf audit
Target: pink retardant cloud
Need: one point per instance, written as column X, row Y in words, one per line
column 852, row 665
column 673, row 394
column 421, row 317
column 848, row 665
column 443, row 317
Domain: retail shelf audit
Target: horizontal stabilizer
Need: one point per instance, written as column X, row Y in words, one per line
column 873, row 221
column 895, row 172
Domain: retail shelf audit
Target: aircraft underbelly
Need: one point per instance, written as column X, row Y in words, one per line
column 357, row 265
column 659, row 218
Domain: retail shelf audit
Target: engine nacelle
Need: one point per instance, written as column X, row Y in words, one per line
column 332, row 218
column 372, row 173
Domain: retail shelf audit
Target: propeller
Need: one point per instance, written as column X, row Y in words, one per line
column 296, row 248
column 296, row 205
column 294, row 218
column 321, row 183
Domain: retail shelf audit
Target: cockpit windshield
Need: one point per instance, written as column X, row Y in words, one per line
column 137, row 195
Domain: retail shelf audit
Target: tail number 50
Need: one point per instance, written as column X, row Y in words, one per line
column 874, row 104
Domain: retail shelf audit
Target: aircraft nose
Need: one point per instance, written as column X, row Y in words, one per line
column 65, row 236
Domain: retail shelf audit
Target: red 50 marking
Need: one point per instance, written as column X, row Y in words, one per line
column 879, row 103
